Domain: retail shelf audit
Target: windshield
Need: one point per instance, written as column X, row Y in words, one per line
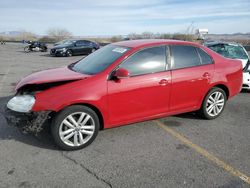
column 99, row 60
column 68, row 42
column 230, row 51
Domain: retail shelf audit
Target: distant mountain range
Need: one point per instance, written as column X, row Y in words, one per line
column 235, row 36
column 11, row 33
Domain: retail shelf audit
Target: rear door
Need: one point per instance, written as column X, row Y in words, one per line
column 81, row 47
column 146, row 92
column 192, row 70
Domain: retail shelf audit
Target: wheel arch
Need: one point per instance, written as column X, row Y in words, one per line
column 224, row 88
column 96, row 110
column 221, row 86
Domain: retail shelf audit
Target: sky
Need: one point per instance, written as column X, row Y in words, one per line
column 121, row 17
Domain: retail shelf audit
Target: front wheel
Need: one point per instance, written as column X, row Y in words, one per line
column 213, row 104
column 27, row 49
column 75, row 127
column 69, row 53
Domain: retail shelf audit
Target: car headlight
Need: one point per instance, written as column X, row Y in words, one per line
column 64, row 49
column 21, row 103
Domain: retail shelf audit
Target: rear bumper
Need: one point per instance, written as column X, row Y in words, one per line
column 246, row 86
column 27, row 122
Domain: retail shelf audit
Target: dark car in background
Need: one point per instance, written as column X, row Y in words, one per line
column 74, row 47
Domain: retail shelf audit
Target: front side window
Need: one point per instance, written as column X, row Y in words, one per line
column 146, row 61
column 184, row 56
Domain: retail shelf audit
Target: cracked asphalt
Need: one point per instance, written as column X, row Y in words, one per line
column 137, row 155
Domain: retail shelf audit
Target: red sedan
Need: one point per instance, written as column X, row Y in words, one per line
column 123, row 83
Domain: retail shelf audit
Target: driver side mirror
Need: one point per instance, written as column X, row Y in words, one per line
column 121, row 73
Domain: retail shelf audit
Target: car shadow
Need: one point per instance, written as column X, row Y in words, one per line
column 48, row 55
column 42, row 140
column 245, row 91
column 189, row 115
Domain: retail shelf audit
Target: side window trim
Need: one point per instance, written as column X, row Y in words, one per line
column 196, row 49
column 212, row 60
column 166, row 60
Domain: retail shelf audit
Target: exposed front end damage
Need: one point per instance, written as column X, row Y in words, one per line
column 32, row 122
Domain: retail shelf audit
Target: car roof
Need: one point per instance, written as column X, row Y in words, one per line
column 151, row 42
column 78, row 40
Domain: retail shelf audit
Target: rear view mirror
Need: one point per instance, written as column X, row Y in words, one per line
column 121, row 73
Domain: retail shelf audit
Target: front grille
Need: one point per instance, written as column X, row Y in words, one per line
column 52, row 51
column 245, row 85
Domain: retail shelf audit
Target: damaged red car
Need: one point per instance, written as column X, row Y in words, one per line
column 124, row 83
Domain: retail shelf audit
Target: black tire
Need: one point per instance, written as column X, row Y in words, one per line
column 58, row 119
column 203, row 112
column 69, row 53
column 44, row 49
column 93, row 50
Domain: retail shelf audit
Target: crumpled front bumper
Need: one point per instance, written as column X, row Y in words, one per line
column 32, row 122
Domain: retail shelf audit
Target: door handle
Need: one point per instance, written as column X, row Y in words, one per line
column 163, row 82
column 206, row 75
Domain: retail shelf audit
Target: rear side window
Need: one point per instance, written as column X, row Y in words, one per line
column 185, row 56
column 146, row 61
column 80, row 43
column 205, row 58
column 87, row 43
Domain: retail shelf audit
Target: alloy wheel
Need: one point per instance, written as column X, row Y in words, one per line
column 69, row 53
column 77, row 129
column 215, row 103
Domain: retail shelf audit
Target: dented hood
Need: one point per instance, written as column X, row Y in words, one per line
column 50, row 76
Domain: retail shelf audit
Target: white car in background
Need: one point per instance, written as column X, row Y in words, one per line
column 234, row 51
column 246, row 77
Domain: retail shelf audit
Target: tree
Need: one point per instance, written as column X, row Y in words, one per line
column 147, row 35
column 116, row 38
column 25, row 35
column 134, row 36
column 59, row 33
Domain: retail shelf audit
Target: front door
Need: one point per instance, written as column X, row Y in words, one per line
column 146, row 92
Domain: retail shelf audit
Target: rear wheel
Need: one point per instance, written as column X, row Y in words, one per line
column 93, row 50
column 213, row 104
column 75, row 127
column 44, row 49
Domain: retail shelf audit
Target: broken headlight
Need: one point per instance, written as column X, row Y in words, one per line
column 21, row 103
